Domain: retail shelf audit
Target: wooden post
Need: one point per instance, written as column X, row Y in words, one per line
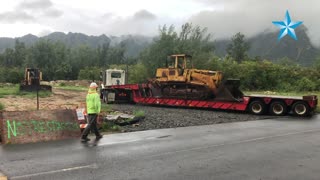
column 38, row 97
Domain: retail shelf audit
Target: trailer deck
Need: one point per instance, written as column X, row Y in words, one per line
column 255, row 104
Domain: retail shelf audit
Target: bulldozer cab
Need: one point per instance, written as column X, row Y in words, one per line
column 179, row 61
column 32, row 76
column 175, row 68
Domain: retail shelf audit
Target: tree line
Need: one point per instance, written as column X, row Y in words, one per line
column 57, row 61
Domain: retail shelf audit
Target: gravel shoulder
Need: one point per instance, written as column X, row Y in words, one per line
column 169, row 117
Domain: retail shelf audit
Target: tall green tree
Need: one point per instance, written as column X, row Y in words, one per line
column 192, row 40
column 155, row 55
column 116, row 55
column 238, row 47
column 8, row 58
column 103, row 54
column 317, row 63
column 20, row 53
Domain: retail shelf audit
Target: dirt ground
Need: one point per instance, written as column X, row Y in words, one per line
column 60, row 99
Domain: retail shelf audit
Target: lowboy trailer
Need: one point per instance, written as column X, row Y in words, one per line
column 255, row 104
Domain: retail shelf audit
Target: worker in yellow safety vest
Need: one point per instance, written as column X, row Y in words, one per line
column 93, row 106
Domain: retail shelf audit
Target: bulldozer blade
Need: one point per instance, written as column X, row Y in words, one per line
column 33, row 88
column 229, row 91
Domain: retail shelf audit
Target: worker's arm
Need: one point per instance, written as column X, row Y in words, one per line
column 98, row 103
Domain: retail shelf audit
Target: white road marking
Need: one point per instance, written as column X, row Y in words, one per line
column 235, row 142
column 92, row 166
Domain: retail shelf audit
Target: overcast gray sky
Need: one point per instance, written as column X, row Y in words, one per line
column 118, row 17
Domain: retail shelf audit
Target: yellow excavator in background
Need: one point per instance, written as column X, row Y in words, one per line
column 31, row 82
column 180, row 80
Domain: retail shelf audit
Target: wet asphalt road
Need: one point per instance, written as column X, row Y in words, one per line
column 284, row 148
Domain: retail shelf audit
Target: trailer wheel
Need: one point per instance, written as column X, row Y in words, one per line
column 301, row 108
column 278, row 108
column 257, row 107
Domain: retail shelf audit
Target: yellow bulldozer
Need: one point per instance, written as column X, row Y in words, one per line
column 180, row 80
column 32, row 79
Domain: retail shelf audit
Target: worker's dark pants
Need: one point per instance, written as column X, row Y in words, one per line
column 92, row 124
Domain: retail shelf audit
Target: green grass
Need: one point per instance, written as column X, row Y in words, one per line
column 138, row 113
column 109, row 127
column 317, row 93
column 9, row 90
column 72, row 88
column 13, row 90
column 31, row 95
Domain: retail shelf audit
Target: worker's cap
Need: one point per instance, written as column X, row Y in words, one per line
column 93, row 85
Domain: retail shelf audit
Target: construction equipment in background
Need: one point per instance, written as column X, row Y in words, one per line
column 180, row 80
column 32, row 79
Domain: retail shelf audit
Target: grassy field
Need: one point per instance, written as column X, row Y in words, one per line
column 8, row 90
column 317, row 93
column 72, row 88
column 13, row 90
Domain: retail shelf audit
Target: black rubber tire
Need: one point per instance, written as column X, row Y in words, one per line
column 257, row 107
column 278, row 108
column 301, row 108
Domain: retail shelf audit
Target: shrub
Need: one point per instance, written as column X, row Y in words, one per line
column 90, row 73
column 11, row 75
column 305, row 84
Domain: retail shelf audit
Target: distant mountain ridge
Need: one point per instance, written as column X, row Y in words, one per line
column 133, row 43
column 70, row 39
column 264, row 45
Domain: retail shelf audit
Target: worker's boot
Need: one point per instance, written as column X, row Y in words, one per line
column 85, row 139
column 99, row 137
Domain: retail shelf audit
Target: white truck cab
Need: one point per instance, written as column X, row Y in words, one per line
column 113, row 77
